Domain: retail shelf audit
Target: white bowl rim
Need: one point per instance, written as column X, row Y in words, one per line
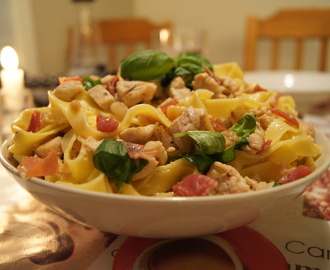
column 158, row 199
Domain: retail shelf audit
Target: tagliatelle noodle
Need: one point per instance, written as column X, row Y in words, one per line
column 96, row 181
column 26, row 142
column 164, row 177
column 78, row 162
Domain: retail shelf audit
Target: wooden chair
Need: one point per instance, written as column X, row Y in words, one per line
column 296, row 24
column 119, row 38
column 124, row 36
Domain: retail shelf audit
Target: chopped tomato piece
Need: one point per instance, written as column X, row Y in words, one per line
column 275, row 101
column 35, row 122
column 258, row 88
column 218, row 126
column 168, row 104
column 106, row 125
column 194, row 185
column 297, row 173
column 35, row 166
column 288, row 117
column 65, row 79
column 265, row 146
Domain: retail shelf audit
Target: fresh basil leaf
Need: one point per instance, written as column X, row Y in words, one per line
column 111, row 158
column 208, row 142
column 188, row 64
column 244, row 127
column 202, row 60
column 201, row 161
column 146, row 65
column 226, row 155
column 89, row 83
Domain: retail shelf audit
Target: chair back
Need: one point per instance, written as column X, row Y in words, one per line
column 124, row 36
column 295, row 24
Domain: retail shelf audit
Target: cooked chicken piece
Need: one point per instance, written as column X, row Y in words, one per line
column 158, row 148
column 163, row 134
column 152, row 132
column 229, row 179
column 140, row 135
column 263, row 116
column 68, row 90
column 177, row 89
column 230, row 137
column 107, row 78
column 44, row 149
column 221, row 87
column 191, row 119
column 134, row 92
column 152, row 151
column 91, row 144
column 255, row 185
column 204, row 81
column 102, row 97
column 148, row 169
column 256, row 141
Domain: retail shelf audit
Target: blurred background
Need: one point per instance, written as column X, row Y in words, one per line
column 37, row 29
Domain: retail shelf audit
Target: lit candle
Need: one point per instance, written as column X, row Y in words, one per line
column 12, row 79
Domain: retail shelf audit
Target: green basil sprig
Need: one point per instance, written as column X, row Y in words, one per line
column 243, row 128
column 149, row 65
column 89, row 83
column 188, row 64
column 111, row 157
column 146, row 65
column 210, row 144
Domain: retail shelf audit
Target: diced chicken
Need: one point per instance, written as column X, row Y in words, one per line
column 107, row 78
column 139, row 135
column 230, row 137
column 191, row 119
column 256, row 141
column 221, row 87
column 263, row 116
column 102, row 97
column 204, row 81
column 148, row 169
column 135, row 92
column 152, row 132
column 158, row 148
column 229, row 179
column 91, row 144
column 177, row 89
column 255, row 185
column 152, row 151
column 44, row 149
column 68, row 90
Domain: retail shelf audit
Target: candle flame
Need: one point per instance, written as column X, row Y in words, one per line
column 9, row 58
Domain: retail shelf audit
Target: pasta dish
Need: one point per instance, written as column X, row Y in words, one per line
column 165, row 126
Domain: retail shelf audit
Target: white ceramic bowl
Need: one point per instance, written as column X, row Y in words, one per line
column 161, row 217
column 308, row 88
